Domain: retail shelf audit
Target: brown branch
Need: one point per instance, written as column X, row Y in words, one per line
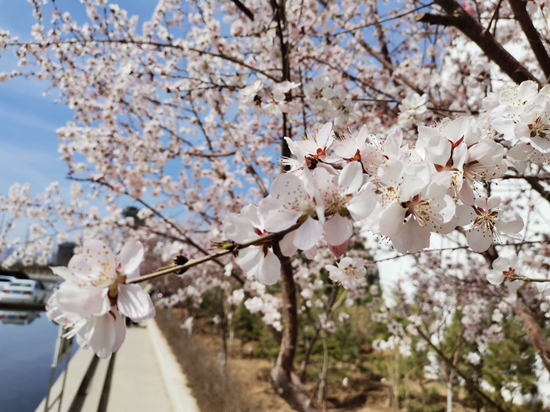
column 290, row 313
column 279, row 15
column 529, row 280
column 315, row 336
column 527, row 242
column 356, row 79
column 249, row 167
column 153, row 44
column 389, row 66
column 199, row 154
column 229, row 247
column 532, row 34
column 244, row 9
column 285, row 381
column 469, row 26
column 215, row 166
column 533, row 329
column 364, row 26
column 436, row 19
column 539, row 188
column 155, row 212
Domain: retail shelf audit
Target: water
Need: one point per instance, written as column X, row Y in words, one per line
column 27, row 342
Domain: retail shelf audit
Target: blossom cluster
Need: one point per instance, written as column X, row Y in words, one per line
column 91, row 302
column 400, row 191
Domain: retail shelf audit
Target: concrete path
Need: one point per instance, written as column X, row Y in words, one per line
column 137, row 384
column 146, row 377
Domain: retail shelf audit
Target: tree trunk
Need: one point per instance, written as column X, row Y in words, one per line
column 285, row 382
column 449, row 396
column 534, row 331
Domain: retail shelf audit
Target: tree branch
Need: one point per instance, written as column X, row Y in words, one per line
column 436, row 19
column 468, row 25
column 229, row 247
column 532, row 34
column 285, row 381
column 533, row 329
column 244, row 9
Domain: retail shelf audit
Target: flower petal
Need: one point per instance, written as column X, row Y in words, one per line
column 391, row 220
column 83, row 300
column 308, row 234
column 287, row 244
column 509, row 224
column 130, row 258
column 351, row 178
column 100, row 256
column 362, row 204
column 65, row 273
column 337, row 230
column 135, row 303
column 249, row 258
column 338, row 250
column 496, row 278
column 479, row 239
column 102, row 336
column 324, row 137
column 269, row 269
column 120, row 331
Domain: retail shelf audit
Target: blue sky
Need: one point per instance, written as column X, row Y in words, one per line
column 28, row 120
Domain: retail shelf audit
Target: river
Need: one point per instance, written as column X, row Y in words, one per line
column 27, row 342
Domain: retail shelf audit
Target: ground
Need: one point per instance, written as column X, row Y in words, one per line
column 243, row 384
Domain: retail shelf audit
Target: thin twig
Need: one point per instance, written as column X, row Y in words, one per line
column 526, row 279
column 468, row 382
column 231, row 248
column 531, row 242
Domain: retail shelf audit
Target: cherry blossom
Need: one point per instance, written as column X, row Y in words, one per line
column 412, row 108
column 349, row 272
column 291, row 200
column 190, row 123
column 502, row 268
column 258, row 261
column 344, row 195
column 94, row 294
column 490, row 222
column 312, row 149
column 418, row 206
column 104, row 334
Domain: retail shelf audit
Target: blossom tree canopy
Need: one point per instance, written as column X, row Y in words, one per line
column 283, row 134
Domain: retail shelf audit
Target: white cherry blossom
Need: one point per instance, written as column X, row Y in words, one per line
column 291, row 200
column 344, row 196
column 349, row 272
column 490, row 222
column 104, row 334
column 502, row 268
column 101, row 280
column 258, row 261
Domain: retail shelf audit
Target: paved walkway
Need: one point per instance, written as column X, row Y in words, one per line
column 137, row 383
column 146, row 377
